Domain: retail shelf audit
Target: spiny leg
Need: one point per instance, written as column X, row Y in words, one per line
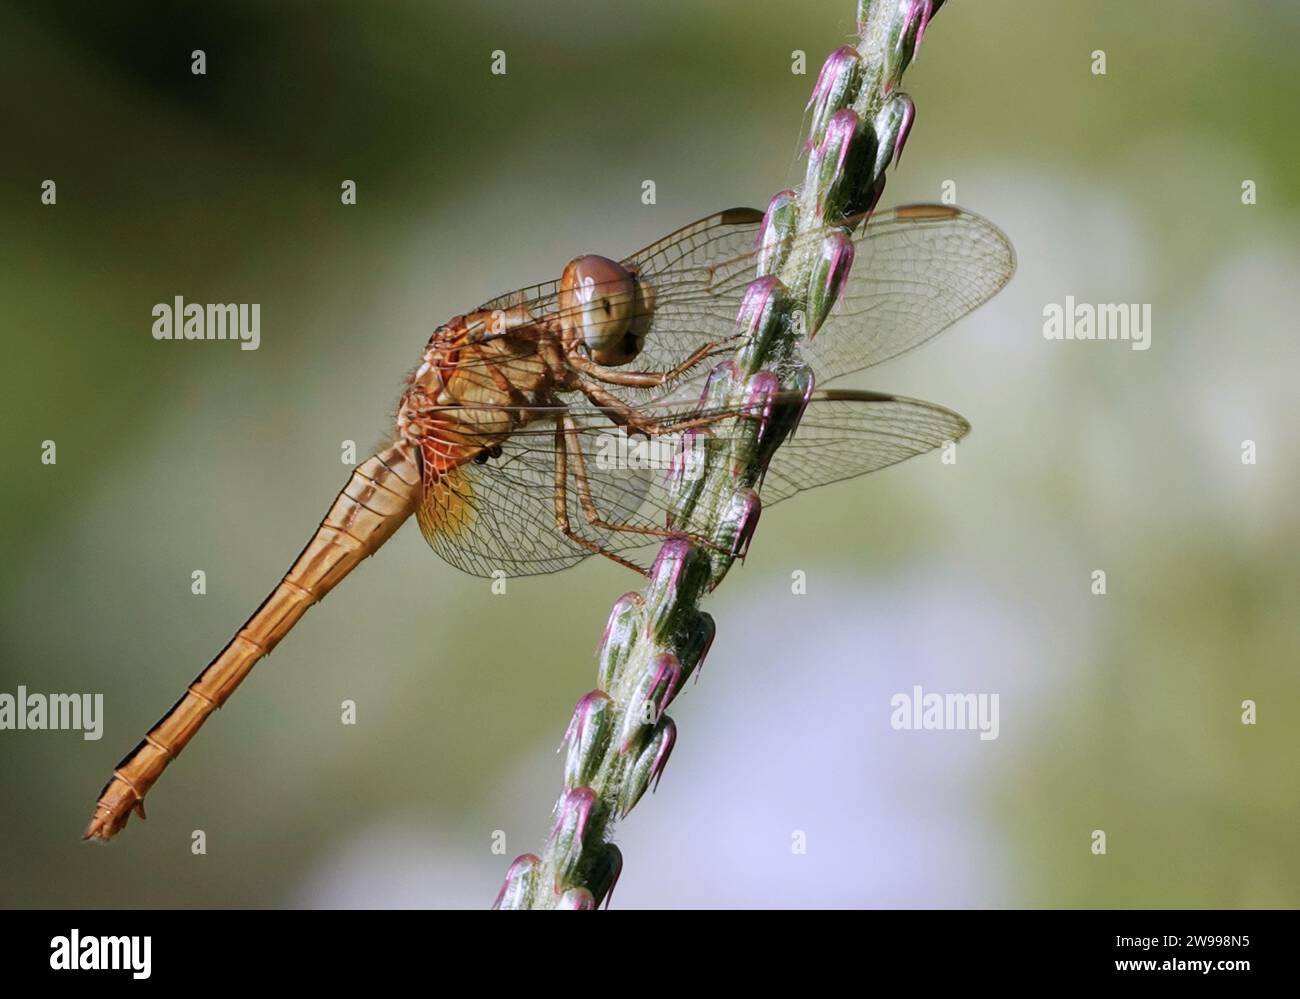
column 562, row 504
column 629, row 416
column 588, row 504
column 640, row 379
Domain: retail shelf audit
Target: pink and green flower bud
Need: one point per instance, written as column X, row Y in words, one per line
column 695, row 644
column 776, row 234
column 892, row 126
column 576, row 898
column 872, row 198
column 679, row 577
column 571, row 825
column 839, row 169
column 830, row 274
column 625, row 625
column 588, row 734
column 649, row 765
column 760, row 390
column 685, row 477
column 826, row 159
column 799, row 389
column 521, row 880
column 762, row 316
column 668, row 570
column 917, row 20
column 755, row 404
column 740, row 519
column 650, row 699
column 836, row 84
column 906, row 34
column 604, row 873
column 787, row 412
column 760, row 307
column 719, row 384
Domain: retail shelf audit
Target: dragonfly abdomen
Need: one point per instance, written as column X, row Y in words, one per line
column 378, row 498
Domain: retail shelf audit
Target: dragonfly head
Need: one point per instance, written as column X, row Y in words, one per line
column 605, row 308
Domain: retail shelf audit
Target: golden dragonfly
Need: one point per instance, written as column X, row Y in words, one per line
column 500, row 440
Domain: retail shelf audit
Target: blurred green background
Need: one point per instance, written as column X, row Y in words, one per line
column 1118, row 712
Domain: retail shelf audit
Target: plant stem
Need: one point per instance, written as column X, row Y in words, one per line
column 620, row 737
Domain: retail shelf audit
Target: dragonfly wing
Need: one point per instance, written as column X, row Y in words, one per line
column 715, row 240
column 696, row 275
column 500, row 516
column 844, row 434
column 916, row 271
column 690, row 270
column 483, row 525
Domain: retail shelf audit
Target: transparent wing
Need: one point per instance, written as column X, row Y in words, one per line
column 501, row 515
column 918, row 269
column 847, row 434
column 697, row 274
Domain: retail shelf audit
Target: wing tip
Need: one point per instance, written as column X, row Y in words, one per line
column 739, row 216
column 936, row 212
column 961, row 425
column 921, row 211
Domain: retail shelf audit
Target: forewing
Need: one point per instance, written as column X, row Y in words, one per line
column 697, row 276
column 916, row 271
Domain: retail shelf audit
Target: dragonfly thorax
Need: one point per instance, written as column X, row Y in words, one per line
column 605, row 308
column 471, row 390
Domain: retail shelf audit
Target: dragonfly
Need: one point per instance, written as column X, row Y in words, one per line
column 500, row 439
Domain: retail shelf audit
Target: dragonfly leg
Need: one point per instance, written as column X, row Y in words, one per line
column 553, row 356
column 562, row 504
column 629, row 416
column 588, row 504
column 640, row 379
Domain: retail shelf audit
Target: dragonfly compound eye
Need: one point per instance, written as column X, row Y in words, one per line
column 605, row 307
